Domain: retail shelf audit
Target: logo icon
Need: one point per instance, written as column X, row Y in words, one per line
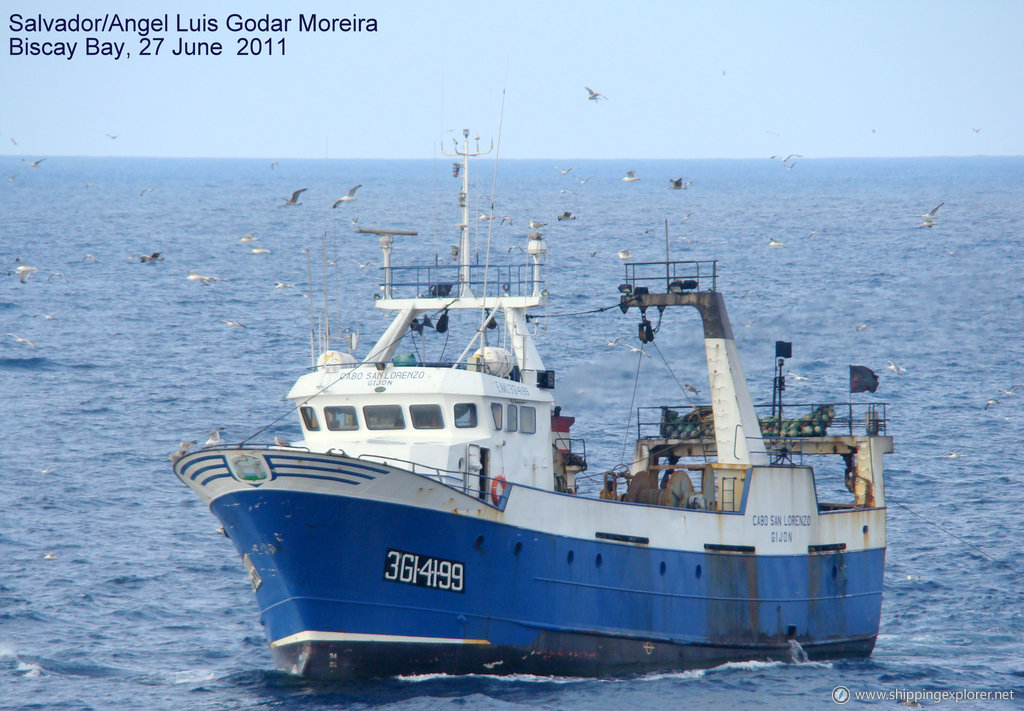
column 840, row 694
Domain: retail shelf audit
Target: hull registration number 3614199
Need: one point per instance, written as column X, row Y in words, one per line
column 424, row 571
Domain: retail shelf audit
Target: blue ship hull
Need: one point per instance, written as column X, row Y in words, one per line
column 354, row 587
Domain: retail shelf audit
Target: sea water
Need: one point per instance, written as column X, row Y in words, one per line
column 118, row 592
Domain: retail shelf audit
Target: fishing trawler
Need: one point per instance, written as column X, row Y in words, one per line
column 430, row 518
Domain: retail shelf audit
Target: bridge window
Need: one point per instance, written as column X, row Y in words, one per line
column 426, row 417
column 527, row 419
column 309, row 418
column 340, row 418
column 384, row 417
column 496, row 410
column 512, row 418
column 465, row 414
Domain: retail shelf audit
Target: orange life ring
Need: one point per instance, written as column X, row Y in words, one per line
column 498, row 486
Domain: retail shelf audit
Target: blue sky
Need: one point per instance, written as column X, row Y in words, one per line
column 683, row 80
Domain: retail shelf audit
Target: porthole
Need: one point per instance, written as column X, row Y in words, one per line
column 698, row 572
column 570, row 557
column 597, row 560
column 661, row 568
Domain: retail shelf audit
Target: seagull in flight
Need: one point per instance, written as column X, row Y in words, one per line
column 929, row 217
column 797, row 378
column 613, row 342
column 111, row 136
column 293, row 200
column 214, row 438
column 634, row 349
column 24, row 271
column 563, row 171
column 33, row 164
column 690, row 389
column 21, row 340
column 895, row 368
column 624, row 254
column 154, row 257
column 349, row 197
column 594, row 96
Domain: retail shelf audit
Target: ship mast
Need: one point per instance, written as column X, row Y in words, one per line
column 466, row 154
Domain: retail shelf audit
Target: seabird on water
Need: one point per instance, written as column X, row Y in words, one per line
column 192, row 276
column 630, row 176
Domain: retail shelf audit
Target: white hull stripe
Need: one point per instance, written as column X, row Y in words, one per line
column 313, row 636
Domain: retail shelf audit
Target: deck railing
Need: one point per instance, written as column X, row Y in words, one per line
column 799, row 420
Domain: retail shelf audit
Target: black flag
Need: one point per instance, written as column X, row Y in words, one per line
column 862, row 378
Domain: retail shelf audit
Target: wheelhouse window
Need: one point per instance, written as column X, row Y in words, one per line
column 309, row 418
column 426, row 417
column 384, row 417
column 496, row 410
column 465, row 414
column 512, row 418
column 527, row 419
column 340, row 418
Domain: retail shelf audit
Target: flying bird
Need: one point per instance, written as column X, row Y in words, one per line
column 895, row 368
column 624, row 254
column 214, row 438
column 634, row 349
column 111, row 136
column 33, row 164
column 234, row 324
column 154, row 257
column 678, row 184
column 594, row 96
column 23, row 341
column 929, row 217
column 349, row 197
column 58, row 274
column 797, row 378
column 293, row 200
column 24, row 271
column 563, row 171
